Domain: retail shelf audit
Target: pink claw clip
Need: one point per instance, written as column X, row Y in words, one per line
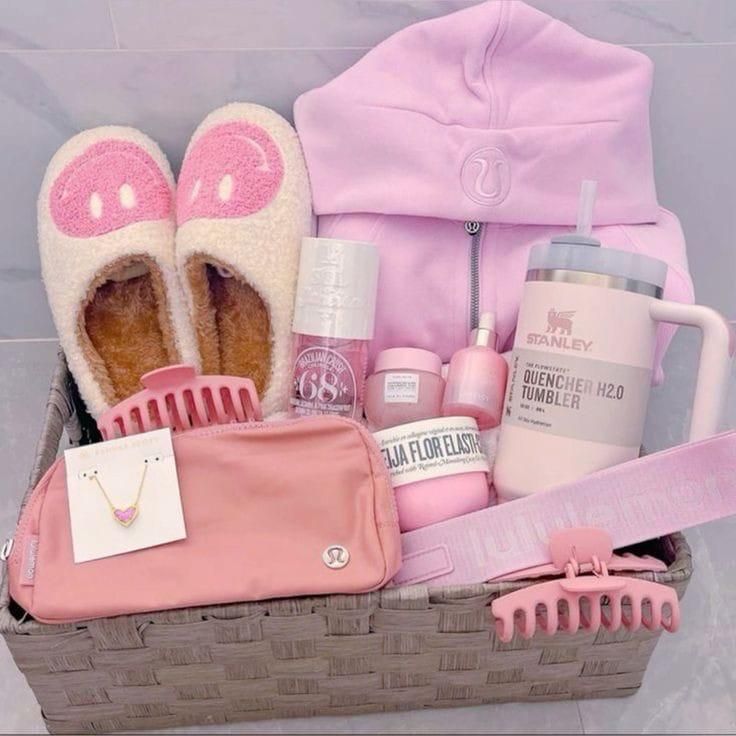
column 176, row 397
column 585, row 601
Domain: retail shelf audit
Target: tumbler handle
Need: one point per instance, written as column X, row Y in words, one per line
column 714, row 365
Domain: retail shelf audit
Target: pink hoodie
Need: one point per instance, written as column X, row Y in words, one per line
column 491, row 115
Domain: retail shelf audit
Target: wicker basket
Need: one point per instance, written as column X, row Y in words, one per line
column 398, row 649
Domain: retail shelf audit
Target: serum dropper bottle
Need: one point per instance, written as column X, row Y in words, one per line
column 476, row 379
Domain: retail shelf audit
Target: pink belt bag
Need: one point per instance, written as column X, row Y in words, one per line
column 299, row 507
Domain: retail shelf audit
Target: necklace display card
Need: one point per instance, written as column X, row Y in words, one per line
column 123, row 495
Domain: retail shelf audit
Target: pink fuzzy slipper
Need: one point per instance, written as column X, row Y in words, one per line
column 243, row 206
column 106, row 234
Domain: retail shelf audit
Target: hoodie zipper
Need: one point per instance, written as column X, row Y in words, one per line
column 475, row 230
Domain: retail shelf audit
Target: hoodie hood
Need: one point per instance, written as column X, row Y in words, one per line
column 495, row 113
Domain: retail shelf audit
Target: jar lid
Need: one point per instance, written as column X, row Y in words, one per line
column 408, row 359
column 580, row 253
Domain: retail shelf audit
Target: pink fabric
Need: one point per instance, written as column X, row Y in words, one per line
column 256, row 528
column 233, row 170
column 493, row 114
column 112, row 184
column 646, row 498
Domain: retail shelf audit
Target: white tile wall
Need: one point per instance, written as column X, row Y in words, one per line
column 162, row 65
column 45, row 97
column 56, row 24
column 320, row 23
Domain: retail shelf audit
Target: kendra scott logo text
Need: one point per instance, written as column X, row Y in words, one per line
column 559, row 333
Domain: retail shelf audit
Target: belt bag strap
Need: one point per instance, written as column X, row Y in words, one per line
column 646, row 498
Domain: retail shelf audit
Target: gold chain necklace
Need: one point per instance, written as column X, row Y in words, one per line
column 129, row 514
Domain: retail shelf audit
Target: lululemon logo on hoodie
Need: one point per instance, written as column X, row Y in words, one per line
column 485, row 176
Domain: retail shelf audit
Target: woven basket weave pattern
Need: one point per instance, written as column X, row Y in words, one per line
column 395, row 649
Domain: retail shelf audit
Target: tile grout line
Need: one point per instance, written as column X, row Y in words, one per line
column 580, row 717
column 112, row 24
column 184, row 50
column 247, row 49
column 21, row 340
column 686, row 44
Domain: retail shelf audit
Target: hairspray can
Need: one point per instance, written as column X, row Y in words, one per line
column 333, row 324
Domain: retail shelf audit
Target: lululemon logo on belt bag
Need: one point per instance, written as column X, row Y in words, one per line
column 485, row 176
column 336, row 556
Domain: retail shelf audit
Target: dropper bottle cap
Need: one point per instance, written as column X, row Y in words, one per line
column 485, row 335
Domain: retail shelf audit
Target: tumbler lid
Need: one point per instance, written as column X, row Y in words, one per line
column 580, row 251
column 568, row 253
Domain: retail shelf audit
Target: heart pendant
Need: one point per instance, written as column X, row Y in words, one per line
column 126, row 516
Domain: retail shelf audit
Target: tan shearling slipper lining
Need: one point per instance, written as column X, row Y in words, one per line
column 124, row 326
column 231, row 321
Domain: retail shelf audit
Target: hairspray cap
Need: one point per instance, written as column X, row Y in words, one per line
column 336, row 289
